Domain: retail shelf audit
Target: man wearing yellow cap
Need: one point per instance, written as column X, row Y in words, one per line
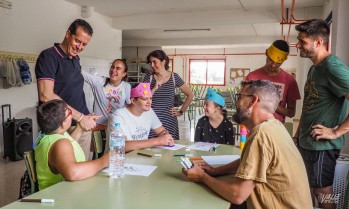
column 276, row 54
column 137, row 119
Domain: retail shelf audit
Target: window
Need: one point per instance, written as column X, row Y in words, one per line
column 207, row 72
column 171, row 65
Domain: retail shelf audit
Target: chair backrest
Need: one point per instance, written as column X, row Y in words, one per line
column 98, row 143
column 29, row 160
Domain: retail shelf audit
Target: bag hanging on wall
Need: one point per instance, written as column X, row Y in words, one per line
column 13, row 76
column 177, row 100
column 24, row 71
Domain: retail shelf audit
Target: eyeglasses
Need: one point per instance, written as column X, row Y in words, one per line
column 70, row 112
column 238, row 96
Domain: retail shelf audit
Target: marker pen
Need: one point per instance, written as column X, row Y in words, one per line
column 38, row 200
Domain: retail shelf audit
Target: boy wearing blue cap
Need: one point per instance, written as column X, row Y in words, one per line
column 214, row 127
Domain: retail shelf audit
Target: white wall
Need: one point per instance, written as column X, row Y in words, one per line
column 340, row 34
column 251, row 61
column 183, row 54
column 32, row 26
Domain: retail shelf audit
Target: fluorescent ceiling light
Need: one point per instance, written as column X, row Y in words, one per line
column 187, row 30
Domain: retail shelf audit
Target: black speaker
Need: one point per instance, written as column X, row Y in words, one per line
column 18, row 137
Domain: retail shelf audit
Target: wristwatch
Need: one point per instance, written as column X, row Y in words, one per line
column 181, row 112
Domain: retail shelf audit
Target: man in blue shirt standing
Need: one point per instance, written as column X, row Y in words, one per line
column 58, row 74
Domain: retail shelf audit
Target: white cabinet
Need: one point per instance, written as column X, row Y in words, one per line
column 137, row 71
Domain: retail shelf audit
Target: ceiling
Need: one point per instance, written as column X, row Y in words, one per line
column 202, row 22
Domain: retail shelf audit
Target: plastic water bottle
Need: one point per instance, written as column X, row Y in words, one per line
column 117, row 152
column 243, row 133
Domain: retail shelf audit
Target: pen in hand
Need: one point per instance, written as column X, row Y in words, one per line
column 164, row 132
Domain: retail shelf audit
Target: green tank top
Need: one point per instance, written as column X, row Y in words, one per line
column 45, row 177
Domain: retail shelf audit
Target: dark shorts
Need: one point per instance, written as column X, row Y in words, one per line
column 320, row 166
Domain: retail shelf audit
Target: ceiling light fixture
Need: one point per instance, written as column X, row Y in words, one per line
column 187, row 30
column 5, row 4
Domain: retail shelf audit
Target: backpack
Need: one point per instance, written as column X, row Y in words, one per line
column 25, row 186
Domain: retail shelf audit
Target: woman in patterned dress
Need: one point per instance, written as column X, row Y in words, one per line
column 163, row 83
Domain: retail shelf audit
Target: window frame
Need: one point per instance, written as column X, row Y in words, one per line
column 171, row 63
column 207, row 60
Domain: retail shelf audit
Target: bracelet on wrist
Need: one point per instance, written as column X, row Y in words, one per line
column 80, row 118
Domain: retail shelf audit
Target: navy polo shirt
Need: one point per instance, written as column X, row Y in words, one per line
column 54, row 64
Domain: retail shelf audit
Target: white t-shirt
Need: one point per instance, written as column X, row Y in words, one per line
column 107, row 98
column 135, row 127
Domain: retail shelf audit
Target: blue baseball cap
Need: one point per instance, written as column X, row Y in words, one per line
column 215, row 97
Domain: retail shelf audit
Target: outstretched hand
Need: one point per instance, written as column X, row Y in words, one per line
column 88, row 122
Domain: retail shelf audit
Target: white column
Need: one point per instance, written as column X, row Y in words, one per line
column 340, row 34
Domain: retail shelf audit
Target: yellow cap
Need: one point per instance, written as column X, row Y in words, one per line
column 276, row 54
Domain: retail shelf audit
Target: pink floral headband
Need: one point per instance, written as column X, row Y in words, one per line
column 143, row 89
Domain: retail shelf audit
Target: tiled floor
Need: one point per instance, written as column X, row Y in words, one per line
column 10, row 175
column 11, row 172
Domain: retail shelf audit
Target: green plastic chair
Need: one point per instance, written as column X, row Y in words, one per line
column 192, row 113
column 29, row 160
column 201, row 99
column 98, row 144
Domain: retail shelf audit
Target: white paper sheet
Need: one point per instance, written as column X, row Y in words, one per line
column 136, row 170
column 220, row 159
column 175, row 147
column 203, row 146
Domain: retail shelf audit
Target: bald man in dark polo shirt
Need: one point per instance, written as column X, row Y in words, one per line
column 58, row 74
